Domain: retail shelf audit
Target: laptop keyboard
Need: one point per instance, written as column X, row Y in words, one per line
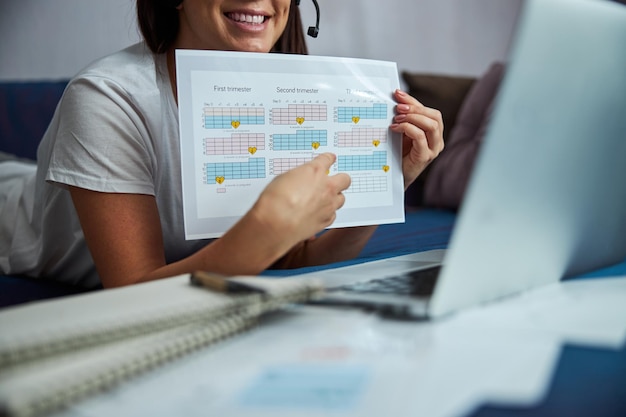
column 420, row 283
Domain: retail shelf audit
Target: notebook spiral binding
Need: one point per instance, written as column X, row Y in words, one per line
column 48, row 395
column 65, row 340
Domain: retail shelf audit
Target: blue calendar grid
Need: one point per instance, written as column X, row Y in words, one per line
column 254, row 168
column 302, row 140
column 377, row 111
column 375, row 161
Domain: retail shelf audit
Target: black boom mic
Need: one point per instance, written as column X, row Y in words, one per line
column 313, row 30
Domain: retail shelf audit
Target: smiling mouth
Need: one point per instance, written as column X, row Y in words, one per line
column 251, row 19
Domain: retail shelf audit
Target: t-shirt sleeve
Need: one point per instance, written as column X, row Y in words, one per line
column 101, row 141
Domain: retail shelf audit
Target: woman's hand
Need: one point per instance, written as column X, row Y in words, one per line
column 422, row 135
column 303, row 201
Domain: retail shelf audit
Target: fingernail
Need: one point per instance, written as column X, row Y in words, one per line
column 400, row 118
column 400, row 92
column 404, row 107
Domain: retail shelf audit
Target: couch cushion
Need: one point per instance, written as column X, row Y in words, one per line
column 26, row 109
column 16, row 290
column 450, row 172
column 442, row 92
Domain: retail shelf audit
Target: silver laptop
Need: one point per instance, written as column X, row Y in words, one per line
column 547, row 197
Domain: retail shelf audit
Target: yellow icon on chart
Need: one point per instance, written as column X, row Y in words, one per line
column 386, row 168
column 252, row 150
column 299, row 120
column 315, row 145
column 219, row 180
column 235, row 123
column 355, row 119
column 376, row 142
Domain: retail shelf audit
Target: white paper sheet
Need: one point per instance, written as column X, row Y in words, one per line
column 589, row 312
column 246, row 118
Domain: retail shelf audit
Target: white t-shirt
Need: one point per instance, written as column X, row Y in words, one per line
column 115, row 130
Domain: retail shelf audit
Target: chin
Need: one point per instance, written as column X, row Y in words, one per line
column 253, row 47
column 257, row 50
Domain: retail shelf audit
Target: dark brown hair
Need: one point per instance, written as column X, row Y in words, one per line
column 158, row 22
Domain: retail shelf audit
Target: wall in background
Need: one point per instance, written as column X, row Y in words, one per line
column 55, row 38
column 449, row 36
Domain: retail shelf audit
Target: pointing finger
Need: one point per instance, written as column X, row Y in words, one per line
column 324, row 160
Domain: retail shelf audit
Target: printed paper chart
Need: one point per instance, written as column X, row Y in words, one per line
column 272, row 141
column 300, row 136
column 245, row 119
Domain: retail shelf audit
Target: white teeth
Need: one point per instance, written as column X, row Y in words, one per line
column 248, row 18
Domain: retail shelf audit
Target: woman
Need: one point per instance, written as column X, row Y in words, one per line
column 108, row 166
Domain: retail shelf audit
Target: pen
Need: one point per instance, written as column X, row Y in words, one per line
column 220, row 283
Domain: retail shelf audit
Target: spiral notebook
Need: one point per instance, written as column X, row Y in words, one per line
column 54, row 353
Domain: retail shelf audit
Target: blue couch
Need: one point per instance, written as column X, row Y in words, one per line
column 25, row 111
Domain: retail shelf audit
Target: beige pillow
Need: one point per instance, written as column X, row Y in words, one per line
column 442, row 92
column 449, row 173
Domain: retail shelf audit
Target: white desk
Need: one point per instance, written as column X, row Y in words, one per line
column 314, row 361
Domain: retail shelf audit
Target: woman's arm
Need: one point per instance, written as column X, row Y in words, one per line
column 124, row 235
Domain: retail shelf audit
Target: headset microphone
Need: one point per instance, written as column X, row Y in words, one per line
column 313, row 30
